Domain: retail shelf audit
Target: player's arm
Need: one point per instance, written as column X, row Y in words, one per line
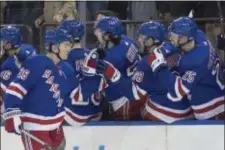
column 6, row 75
column 138, row 78
column 178, row 86
column 27, row 77
column 133, row 58
column 85, row 88
column 79, row 99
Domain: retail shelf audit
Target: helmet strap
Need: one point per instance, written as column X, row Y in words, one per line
column 54, row 53
column 187, row 46
column 149, row 44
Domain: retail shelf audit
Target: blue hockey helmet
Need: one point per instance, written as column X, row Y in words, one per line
column 184, row 26
column 55, row 37
column 25, row 51
column 110, row 25
column 11, row 37
column 74, row 27
column 154, row 30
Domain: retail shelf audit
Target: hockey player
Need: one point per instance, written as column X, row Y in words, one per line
column 158, row 107
column 122, row 55
column 88, row 108
column 36, row 97
column 11, row 40
column 200, row 71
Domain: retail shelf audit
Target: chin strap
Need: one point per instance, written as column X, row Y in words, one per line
column 57, row 54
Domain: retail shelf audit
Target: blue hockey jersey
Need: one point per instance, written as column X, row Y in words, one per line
column 38, row 90
column 158, row 104
column 124, row 57
column 88, row 106
column 201, row 78
column 9, row 70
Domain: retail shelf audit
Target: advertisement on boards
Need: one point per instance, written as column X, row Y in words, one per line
column 134, row 137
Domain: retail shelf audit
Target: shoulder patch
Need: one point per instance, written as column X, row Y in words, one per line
column 131, row 53
column 138, row 76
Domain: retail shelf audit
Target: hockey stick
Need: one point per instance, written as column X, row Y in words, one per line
column 221, row 17
column 192, row 11
column 36, row 139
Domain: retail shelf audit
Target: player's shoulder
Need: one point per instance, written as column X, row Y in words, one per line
column 38, row 61
column 41, row 58
column 197, row 56
column 66, row 67
column 201, row 37
column 128, row 41
column 78, row 53
column 9, row 63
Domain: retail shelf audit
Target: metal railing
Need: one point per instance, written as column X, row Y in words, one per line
column 131, row 26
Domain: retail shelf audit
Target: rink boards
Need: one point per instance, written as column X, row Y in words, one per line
column 188, row 135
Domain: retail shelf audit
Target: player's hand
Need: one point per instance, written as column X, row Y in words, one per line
column 156, row 60
column 58, row 18
column 220, row 43
column 101, row 51
column 93, row 65
column 89, row 65
column 12, row 120
column 168, row 49
column 108, row 71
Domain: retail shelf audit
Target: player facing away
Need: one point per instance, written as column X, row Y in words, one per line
column 200, row 69
column 80, row 111
column 158, row 107
column 35, row 98
column 124, row 97
column 17, row 52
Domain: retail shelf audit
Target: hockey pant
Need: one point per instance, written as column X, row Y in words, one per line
column 130, row 110
column 54, row 138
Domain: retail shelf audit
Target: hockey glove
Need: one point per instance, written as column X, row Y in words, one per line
column 89, row 65
column 156, row 60
column 168, row 49
column 101, row 52
column 12, row 120
column 220, row 43
column 108, row 71
column 93, row 65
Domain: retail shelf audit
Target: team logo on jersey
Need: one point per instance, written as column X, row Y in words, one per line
column 54, row 88
column 5, row 75
column 131, row 53
column 138, row 76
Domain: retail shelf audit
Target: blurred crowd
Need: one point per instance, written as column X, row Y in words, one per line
column 37, row 13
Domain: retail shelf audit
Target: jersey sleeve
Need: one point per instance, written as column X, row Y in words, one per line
column 126, row 87
column 139, row 77
column 29, row 74
column 86, row 88
column 179, row 86
column 133, row 58
column 8, row 73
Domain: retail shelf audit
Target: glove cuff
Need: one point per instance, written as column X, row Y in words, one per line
column 11, row 114
column 116, row 77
